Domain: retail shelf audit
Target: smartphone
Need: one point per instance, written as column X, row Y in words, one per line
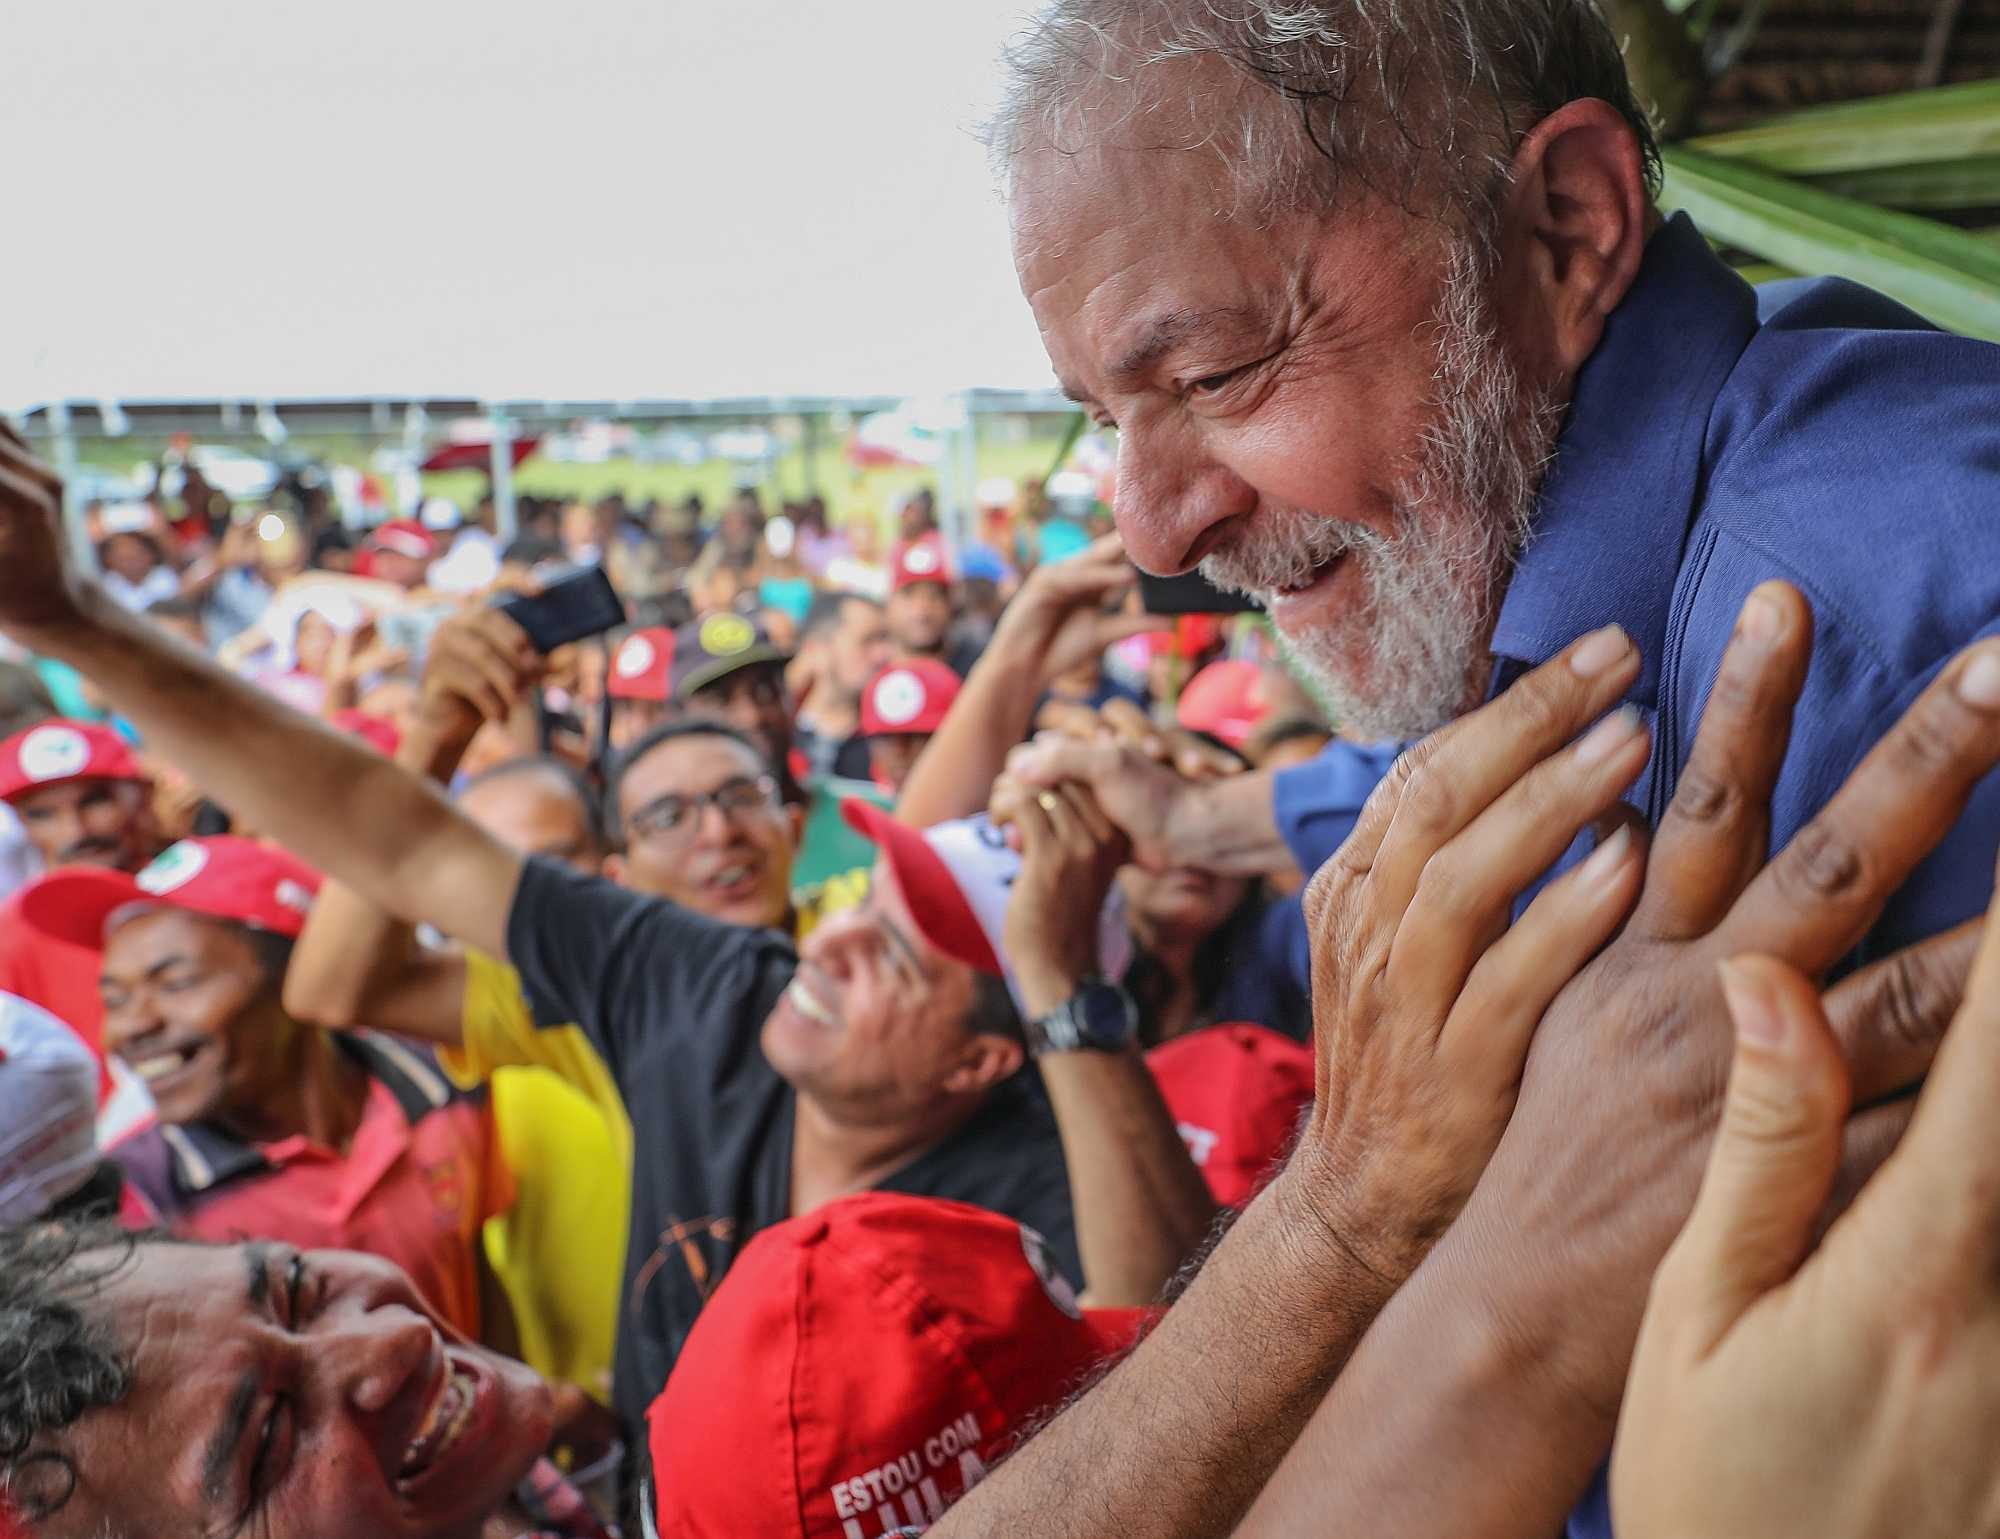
column 1189, row 594
column 569, row 609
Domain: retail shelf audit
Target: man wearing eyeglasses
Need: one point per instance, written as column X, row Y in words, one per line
column 726, row 669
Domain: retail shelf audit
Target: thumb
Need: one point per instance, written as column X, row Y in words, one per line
column 1777, row 1153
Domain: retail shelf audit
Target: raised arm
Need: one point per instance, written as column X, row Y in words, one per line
column 357, row 964
column 1055, row 622
column 1484, row 1398
column 1226, row 825
column 1142, row 1208
column 342, row 808
column 1423, row 1011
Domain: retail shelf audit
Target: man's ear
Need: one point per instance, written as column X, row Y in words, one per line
column 1573, row 229
column 614, row 868
column 988, row 1059
column 797, row 817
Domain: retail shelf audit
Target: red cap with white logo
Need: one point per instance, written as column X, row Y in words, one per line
column 863, row 1366
column 641, row 666
column 52, row 752
column 909, row 697
column 1236, row 1093
column 224, row 878
column 920, row 560
column 955, row 876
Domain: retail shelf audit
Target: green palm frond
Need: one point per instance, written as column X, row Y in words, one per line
column 1946, row 274
column 1946, row 123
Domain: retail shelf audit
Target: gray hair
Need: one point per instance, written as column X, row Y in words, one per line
column 1412, row 100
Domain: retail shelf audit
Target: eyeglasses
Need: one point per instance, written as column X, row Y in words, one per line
column 673, row 819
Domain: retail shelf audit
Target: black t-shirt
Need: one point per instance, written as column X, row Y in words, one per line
column 675, row 1004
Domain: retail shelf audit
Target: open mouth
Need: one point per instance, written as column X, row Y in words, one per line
column 163, row 1065
column 811, row 1006
column 1314, row 578
column 737, row 880
column 454, row 1408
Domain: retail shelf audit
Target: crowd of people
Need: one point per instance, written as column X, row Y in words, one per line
column 891, row 1036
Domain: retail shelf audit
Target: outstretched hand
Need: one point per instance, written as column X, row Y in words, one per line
column 1070, row 854
column 481, row 665
column 1059, row 619
column 1425, row 992
column 1624, row 1084
column 1853, row 1392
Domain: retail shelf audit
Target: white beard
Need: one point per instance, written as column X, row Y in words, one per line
column 1414, row 656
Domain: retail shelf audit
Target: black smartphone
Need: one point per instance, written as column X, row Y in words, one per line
column 570, row 608
column 1189, row 594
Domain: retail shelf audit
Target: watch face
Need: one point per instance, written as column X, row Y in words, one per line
column 1104, row 1013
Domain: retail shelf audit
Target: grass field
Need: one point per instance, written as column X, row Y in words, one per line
column 1016, row 448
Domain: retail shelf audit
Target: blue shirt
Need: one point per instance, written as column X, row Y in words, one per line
column 1720, row 436
column 1815, row 432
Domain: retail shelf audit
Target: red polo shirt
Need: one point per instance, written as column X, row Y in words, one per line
column 423, row 1174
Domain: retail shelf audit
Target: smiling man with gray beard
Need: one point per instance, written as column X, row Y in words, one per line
column 1393, row 334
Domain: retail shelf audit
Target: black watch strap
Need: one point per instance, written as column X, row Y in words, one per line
column 1100, row 1017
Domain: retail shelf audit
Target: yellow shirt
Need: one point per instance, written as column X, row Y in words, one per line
column 560, row 1250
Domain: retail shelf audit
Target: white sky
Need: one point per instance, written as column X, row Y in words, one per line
column 623, row 198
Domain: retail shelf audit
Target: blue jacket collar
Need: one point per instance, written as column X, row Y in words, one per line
column 1618, row 502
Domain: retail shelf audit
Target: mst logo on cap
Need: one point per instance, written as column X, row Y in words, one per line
column 53, row 753
column 635, row 657
column 921, row 558
column 173, row 868
column 899, row 696
column 726, row 635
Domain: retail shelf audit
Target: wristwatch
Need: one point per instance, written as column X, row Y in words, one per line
column 1100, row 1017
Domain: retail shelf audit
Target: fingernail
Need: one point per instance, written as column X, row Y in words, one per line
column 1752, row 1005
column 1760, row 621
column 1609, row 735
column 1979, row 685
column 1598, row 651
column 1606, row 858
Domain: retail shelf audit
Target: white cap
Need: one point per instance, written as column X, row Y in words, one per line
column 48, row 1111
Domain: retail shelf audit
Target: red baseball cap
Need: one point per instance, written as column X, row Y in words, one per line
column 956, row 876
column 908, row 697
column 52, row 752
column 1226, row 699
column 404, row 537
column 956, row 886
column 641, row 666
column 863, row 1366
column 1236, row 1093
column 923, row 559
column 224, row 878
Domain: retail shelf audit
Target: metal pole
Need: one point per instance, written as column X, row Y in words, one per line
column 503, row 475
column 62, row 449
column 966, row 514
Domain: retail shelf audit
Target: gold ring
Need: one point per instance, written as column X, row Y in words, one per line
column 1046, row 800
